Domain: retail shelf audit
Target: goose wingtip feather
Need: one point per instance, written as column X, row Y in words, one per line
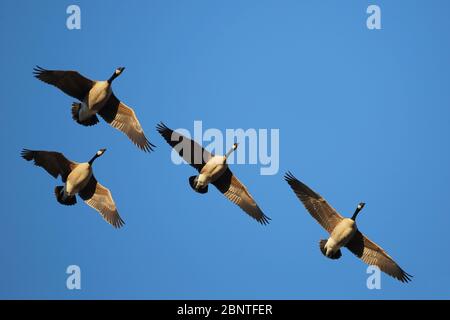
column 264, row 220
column 161, row 127
column 288, row 176
column 27, row 154
column 148, row 146
column 119, row 223
column 38, row 70
column 405, row 277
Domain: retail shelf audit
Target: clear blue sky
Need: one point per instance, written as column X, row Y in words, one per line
column 363, row 116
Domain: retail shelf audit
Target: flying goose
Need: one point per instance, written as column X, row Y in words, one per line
column 77, row 178
column 96, row 97
column 344, row 232
column 212, row 169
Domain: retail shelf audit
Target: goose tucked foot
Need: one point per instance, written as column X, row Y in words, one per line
column 331, row 255
column 65, row 200
column 193, row 182
column 76, row 116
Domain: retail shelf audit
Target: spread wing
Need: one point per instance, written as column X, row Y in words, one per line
column 317, row 206
column 189, row 150
column 70, row 82
column 237, row 193
column 372, row 254
column 100, row 198
column 53, row 162
column 123, row 118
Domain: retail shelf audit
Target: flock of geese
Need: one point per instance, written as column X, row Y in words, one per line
column 97, row 98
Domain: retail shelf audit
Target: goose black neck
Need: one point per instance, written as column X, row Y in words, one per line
column 356, row 213
column 229, row 152
column 93, row 159
column 111, row 79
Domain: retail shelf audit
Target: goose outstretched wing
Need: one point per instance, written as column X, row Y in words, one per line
column 193, row 153
column 373, row 254
column 70, row 82
column 123, row 118
column 100, row 198
column 237, row 193
column 55, row 163
column 317, row 206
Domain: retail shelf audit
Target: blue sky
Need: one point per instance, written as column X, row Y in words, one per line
column 363, row 116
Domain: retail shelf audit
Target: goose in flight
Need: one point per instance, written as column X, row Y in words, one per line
column 96, row 97
column 212, row 169
column 78, row 179
column 344, row 232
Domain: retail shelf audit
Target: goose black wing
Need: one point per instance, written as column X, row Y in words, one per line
column 193, row 153
column 55, row 163
column 70, row 82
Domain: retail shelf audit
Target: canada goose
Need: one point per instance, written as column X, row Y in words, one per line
column 344, row 232
column 96, row 97
column 77, row 178
column 213, row 169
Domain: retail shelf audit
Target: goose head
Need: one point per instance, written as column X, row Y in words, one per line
column 116, row 73
column 358, row 209
column 98, row 154
column 119, row 71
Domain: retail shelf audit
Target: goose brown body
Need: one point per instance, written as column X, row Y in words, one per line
column 212, row 170
column 78, row 178
column 340, row 236
column 95, row 100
